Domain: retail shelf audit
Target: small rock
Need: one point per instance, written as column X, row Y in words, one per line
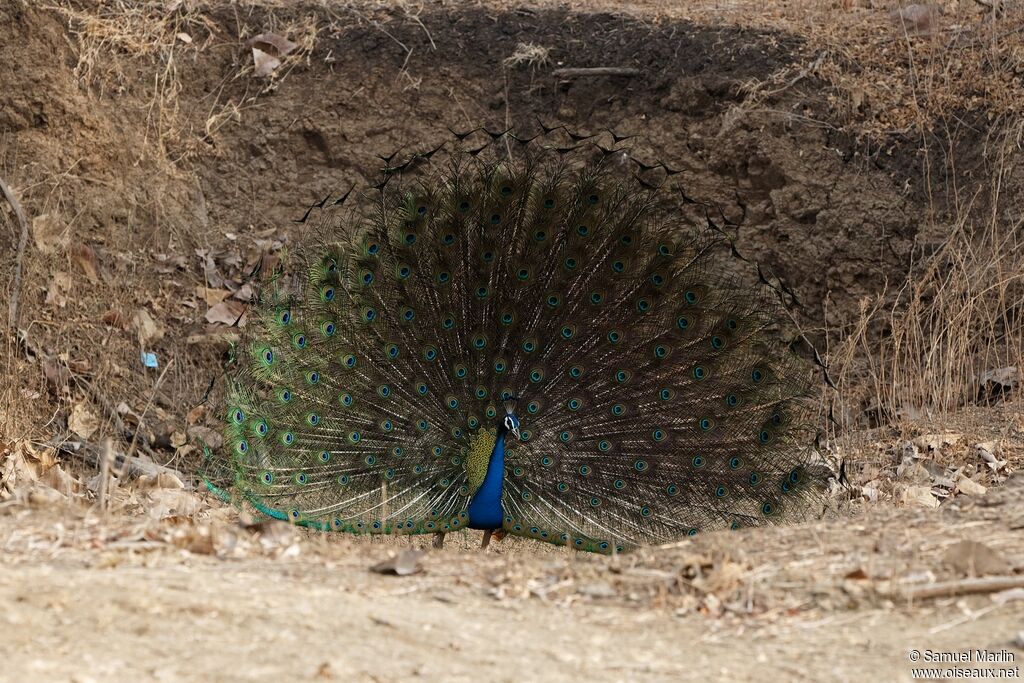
column 913, row 472
column 932, row 444
column 975, row 559
column 597, row 589
column 987, row 452
column 405, row 563
column 915, row 19
column 970, row 487
column 920, row 496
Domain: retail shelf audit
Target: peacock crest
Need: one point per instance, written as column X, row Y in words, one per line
column 532, row 344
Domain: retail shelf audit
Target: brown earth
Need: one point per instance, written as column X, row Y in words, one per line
column 157, row 170
column 155, row 166
column 160, row 166
column 197, row 598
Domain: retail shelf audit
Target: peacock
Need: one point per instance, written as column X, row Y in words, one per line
column 528, row 343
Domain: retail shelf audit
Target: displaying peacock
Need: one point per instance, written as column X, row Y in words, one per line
column 526, row 344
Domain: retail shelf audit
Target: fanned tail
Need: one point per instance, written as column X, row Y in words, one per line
column 655, row 397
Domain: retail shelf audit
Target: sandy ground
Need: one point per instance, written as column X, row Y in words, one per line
column 153, row 190
column 202, row 598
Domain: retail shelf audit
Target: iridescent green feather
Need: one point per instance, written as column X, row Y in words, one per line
column 653, row 400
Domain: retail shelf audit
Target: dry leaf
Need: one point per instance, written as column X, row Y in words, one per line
column 56, row 478
column 46, row 457
column 196, row 414
column 226, row 312
column 212, row 296
column 82, row 366
column 115, row 319
column 970, row 487
column 48, row 233
column 870, row 491
column 987, row 451
column 44, row 496
column 15, row 473
column 169, row 264
column 169, row 480
column 60, row 285
column 184, row 37
column 265, row 63
column 936, row 442
column 169, row 502
column 163, row 480
column 244, row 293
column 83, row 421
column 273, row 43
column 149, row 330
column 86, row 258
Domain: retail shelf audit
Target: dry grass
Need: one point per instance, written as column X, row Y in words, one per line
column 919, row 347
column 891, row 74
column 114, row 38
column 923, row 350
column 533, row 56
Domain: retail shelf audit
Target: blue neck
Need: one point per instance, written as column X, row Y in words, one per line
column 485, row 510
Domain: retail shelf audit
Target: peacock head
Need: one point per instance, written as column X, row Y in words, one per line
column 511, row 424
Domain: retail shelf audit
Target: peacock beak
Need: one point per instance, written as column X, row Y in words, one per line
column 515, row 431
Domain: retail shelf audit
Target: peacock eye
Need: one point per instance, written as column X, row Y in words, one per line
column 560, row 296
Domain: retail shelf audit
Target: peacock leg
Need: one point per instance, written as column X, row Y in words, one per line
column 487, row 539
column 439, row 540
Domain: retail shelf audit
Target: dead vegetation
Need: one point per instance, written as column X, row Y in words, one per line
column 951, row 334
column 165, row 283
column 125, row 315
column 896, row 68
column 924, row 345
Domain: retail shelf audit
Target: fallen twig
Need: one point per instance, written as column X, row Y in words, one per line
column 106, row 456
column 945, row 589
column 596, row 71
column 142, row 415
column 22, row 242
column 119, row 463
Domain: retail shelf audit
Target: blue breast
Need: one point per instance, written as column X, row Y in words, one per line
column 485, row 511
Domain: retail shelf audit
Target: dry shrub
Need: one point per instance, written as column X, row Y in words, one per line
column 924, row 350
column 895, row 64
column 112, row 37
column 530, row 54
column 116, row 38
